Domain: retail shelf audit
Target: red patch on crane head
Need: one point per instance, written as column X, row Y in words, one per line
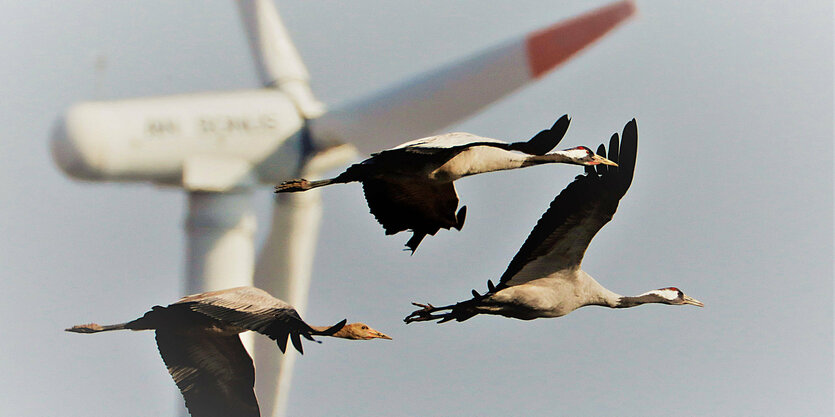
column 671, row 288
column 582, row 148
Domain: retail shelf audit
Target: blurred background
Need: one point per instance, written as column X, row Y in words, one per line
column 732, row 202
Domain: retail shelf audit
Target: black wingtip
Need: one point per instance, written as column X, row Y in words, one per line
column 601, row 150
column 628, row 153
column 333, row 329
column 631, row 129
column 561, row 125
column 297, row 342
column 614, row 153
column 546, row 140
column 281, row 341
column 490, row 285
column 460, row 217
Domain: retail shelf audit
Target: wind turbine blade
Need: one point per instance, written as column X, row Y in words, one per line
column 278, row 61
column 283, row 269
column 437, row 99
column 555, row 44
column 220, row 240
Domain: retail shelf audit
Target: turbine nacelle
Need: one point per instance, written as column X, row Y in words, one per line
column 205, row 142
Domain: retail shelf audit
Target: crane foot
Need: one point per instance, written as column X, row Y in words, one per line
column 300, row 184
column 425, row 313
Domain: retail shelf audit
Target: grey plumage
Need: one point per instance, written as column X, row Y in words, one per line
column 198, row 340
column 544, row 278
column 410, row 187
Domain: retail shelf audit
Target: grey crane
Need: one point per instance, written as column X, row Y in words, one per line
column 544, row 279
column 198, row 340
column 410, row 187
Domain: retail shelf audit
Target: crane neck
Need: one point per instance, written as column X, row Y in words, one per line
column 343, row 333
column 626, row 302
column 605, row 297
column 481, row 159
column 549, row 158
column 598, row 294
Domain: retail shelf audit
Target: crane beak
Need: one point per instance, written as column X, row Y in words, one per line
column 597, row 159
column 379, row 335
column 693, row 301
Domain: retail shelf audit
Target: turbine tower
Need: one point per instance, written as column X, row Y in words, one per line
column 219, row 146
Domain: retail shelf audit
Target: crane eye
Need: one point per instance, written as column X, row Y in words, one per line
column 365, row 327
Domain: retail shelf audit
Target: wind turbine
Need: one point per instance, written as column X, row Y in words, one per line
column 219, row 146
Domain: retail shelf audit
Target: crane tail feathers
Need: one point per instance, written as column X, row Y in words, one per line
column 413, row 243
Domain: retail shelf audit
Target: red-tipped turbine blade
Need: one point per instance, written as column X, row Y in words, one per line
column 428, row 103
column 549, row 47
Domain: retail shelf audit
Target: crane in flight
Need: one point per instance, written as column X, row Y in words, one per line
column 220, row 147
column 410, row 186
column 198, row 340
column 544, row 279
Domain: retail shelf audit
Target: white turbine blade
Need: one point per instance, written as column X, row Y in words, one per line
column 220, row 240
column 283, row 269
column 435, row 100
column 278, row 61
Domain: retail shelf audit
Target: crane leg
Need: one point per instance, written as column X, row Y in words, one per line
column 425, row 313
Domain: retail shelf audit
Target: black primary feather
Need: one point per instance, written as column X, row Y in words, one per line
column 544, row 141
column 592, row 197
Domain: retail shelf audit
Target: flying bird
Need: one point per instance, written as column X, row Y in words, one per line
column 544, row 279
column 410, row 187
column 198, row 340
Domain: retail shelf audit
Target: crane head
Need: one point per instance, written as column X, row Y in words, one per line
column 360, row 331
column 674, row 296
column 582, row 155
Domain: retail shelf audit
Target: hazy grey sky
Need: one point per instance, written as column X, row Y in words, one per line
column 732, row 202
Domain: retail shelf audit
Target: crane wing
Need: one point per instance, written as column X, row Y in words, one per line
column 214, row 373
column 420, row 206
column 443, row 142
column 255, row 309
column 560, row 238
column 539, row 144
